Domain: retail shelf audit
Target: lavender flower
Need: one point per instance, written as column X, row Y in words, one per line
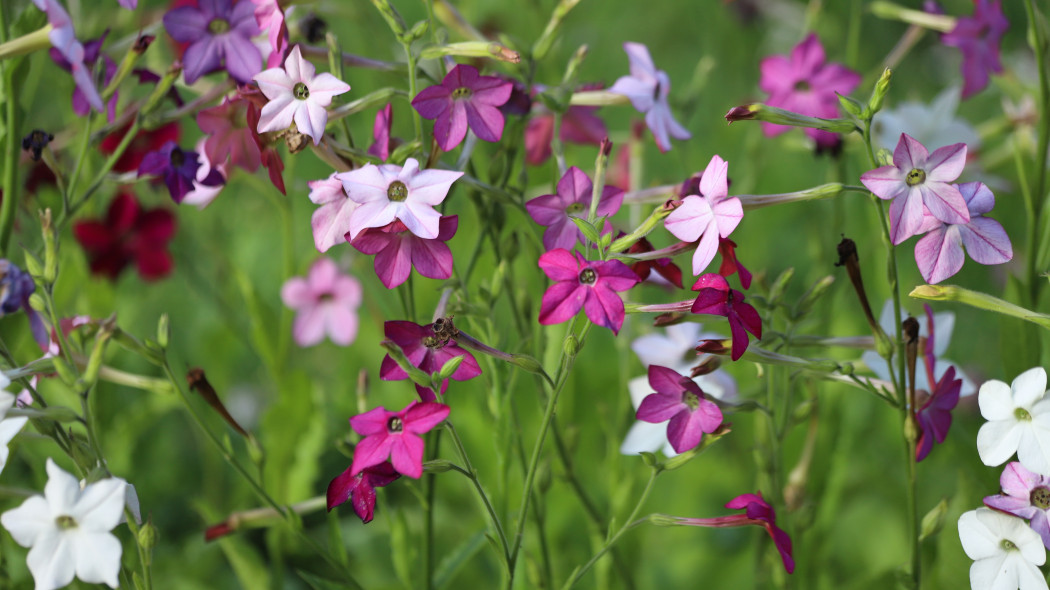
column 219, row 33
column 648, row 87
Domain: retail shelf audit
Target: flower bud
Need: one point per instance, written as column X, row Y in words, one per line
column 571, row 345
column 878, row 95
column 147, row 537
column 662, row 520
column 851, row 106
column 762, row 112
column 933, row 521
column 437, row 466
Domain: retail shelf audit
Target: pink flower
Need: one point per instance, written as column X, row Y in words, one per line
column 297, row 93
column 805, row 84
column 708, row 216
column 573, row 199
column 464, row 99
column 270, row 18
column 1025, row 494
column 648, row 87
column 978, row 39
column 757, row 511
column 326, row 301
column 716, row 298
column 395, row 435
column 397, row 250
column 586, row 284
column 680, row 402
column 331, row 220
column 229, row 136
column 360, row 489
column 381, row 133
column 427, row 350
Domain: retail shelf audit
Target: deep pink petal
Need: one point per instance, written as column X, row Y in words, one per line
column 657, row 408
column 561, row 302
column 406, row 454
column 421, row 417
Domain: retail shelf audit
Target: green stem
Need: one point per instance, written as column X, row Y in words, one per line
column 10, row 187
column 1040, row 44
column 417, row 121
column 472, row 473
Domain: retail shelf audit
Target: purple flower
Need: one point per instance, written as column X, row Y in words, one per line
column 360, row 489
column 326, row 301
column 16, row 285
column 708, row 216
column 64, row 39
column 573, row 199
column 586, row 284
column 680, row 401
column 939, row 253
column 1025, row 494
column 395, row 435
column 648, row 87
column 428, row 351
column 978, row 39
column 805, row 84
column 919, row 178
column 464, row 99
column 716, row 298
column 178, row 168
column 92, row 51
column 331, row 220
column 397, row 250
column 219, row 33
column 297, row 93
column 935, row 416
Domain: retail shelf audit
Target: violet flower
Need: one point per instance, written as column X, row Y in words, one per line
column 590, row 285
column 297, row 93
column 680, row 400
column 427, row 351
column 939, row 254
column 397, row 250
column 395, row 435
column 360, row 489
column 325, row 302
column 978, row 38
column 219, row 33
column 16, row 285
column 464, row 99
column 203, row 194
column 1025, row 494
column 178, row 168
column 708, row 216
column 573, row 199
column 331, row 221
column 919, row 178
column 647, row 88
column 716, row 298
column 63, row 38
column 92, row 52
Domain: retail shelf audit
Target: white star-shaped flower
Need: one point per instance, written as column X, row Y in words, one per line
column 297, row 93
column 1006, row 552
column 1018, row 421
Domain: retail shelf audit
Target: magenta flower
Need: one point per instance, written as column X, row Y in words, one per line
column 805, row 84
column 229, row 136
column 935, row 415
column 708, row 216
column 297, row 93
column 220, row 35
column 1025, row 494
column 395, row 435
column 716, row 298
column 380, row 147
column 397, row 250
column 939, row 253
column 680, row 402
column 63, row 38
column 978, row 39
column 390, row 192
column 428, row 351
column 464, row 99
column 648, row 87
column 331, row 220
column 586, row 284
column 326, row 301
column 178, row 168
column 573, row 199
column 919, row 178
column 360, row 489
column 730, row 265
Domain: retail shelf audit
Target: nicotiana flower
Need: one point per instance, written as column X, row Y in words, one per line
column 715, row 297
column 229, row 136
column 144, row 142
column 270, row 17
column 67, row 530
column 665, row 267
column 919, row 178
column 178, row 168
column 680, row 402
column 804, row 83
column 1025, row 494
column 573, row 199
column 381, row 144
column 939, row 254
column 360, row 489
column 935, row 415
column 92, row 52
column 978, row 39
column 331, row 220
column 587, row 284
column 395, row 435
column 933, row 124
column 464, row 99
column 297, row 93
column 203, row 194
column 707, row 216
column 390, row 192
column 1018, row 421
column 397, row 250
column 128, row 234
column 647, row 88
column 579, row 124
column 326, row 301
column 427, row 350
column 219, row 33
column 730, row 264
column 1005, row 551
column 64, row 39
column 15, row 288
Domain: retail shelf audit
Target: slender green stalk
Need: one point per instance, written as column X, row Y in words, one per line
column 10, row 187
column 472, row 473
column 1040, row 44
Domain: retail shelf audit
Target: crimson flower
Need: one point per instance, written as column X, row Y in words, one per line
column 128, row 234
column 360, row 489
column 664, row 267
column 464, row 99
column 587, row 284
column 397, row 250
column 679, row 401
column 730, row 264
column 579, row 125
column 145, row 141
column 716, row 298
column 428, row 350
column 395, row 435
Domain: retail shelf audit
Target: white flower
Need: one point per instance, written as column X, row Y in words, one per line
column 1018, row 420
column 933, row 124
column 9, row 427
column 298, row 93
column 67, row 530
column 1006, row 552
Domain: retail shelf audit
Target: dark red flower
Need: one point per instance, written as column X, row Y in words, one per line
column 730, row 265
column 360, row 489
column 144, row 143
column 663, row 266
column 716, row 298
column 128, row 234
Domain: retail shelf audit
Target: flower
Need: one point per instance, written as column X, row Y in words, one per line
column 203, row 194
column 390, row 192
column 9, row 427
column 680, row 400
column 730, row 265
column 128, row 234
column 63, row 38
column 81, row 99
column 573, row 199
column 361, row 488
column 716, row 298
column 67, row 530
column 939, row 254
column 1018, row 420
column 16, row 285
column 178, row 168
column 935, row 415
column 427, row 350
column 647, row 88
column 978, row 38
column 395, row 435
column 145, row 141
column 397, row 250
column 708, row 216
column 586, row 284
column 665, row 267
column 1005, row 551
column 919, row 178
column 297, row 93
column 804, row 83
column 331, row 221
column 933, row 124
column 219, row 33
column 1025, row 494
column 464, row 99
column 579, row 124
column 380, row 148
column 229, row 136
column 326, row 301
column 270, row 18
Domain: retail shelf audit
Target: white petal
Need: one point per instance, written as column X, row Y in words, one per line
column 30, row 520
column 97, row 557
column 644, row 437
column 100, row 505
column 51, row 560
column 61, row 489
column 997, row 441
column 996, row 400
column 657, row 349
column 1033, row 449
column 977, row 541
column 639, row 390
column 1029, row 387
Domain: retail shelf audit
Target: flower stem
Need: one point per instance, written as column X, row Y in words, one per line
column 10, row 202
column 472, row 473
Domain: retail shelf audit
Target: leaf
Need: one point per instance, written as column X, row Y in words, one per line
column 457, row 557
column 589, row 231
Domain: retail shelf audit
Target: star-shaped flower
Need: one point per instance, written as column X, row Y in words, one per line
column 220, row 35
column 939, row 254
column 326, row 301
column 680, row 402
column 229, row 136
column 716, row 298
column 1005, row 551
column 397, row 250
column 464, row 99
column 427, row 350
column 395, row 435
column 297, row 93
column 1018, row 421
column 978, row 38
column 178, row 168
column 590, row 285
column 573, row 199
column 647, row 88
column 1025, row 494
column 360, row 489
column 708, row 216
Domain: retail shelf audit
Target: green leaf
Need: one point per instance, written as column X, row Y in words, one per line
column 589, row 231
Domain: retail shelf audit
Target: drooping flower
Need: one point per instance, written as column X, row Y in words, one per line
column 680, row 402
column 572, row 199
column 63, row 38
column 229, row 136
column 665, row 267
column 178, row 168
column 331, row 220
column 464, row 99
column 1025, row 494
column 587, row 284
column 68, row 530
column 390, row 192
column 270, row 18
column 427, row 350
column 647, row 88
column 219, row 34
column 579, row 125
column 714, row 297
column 297, row 93
column 128, row 234
column 939, row 254
column 360, row 489
column 806, row 84
column 395, row 435
column 935, row 415
column 271, row 158
column 1018, row 421
column 16, row 285
column 978, row 38
column 397, row 250
column 708, row 216
column 326, row 302
column 918, row 178
column 1005, row 551
column 92, row 52
column 730, row 265
column 381, row 145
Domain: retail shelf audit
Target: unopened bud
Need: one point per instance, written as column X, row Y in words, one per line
column 437, row 466
column 878, row 95
column 571, row 345
column 163, row 331
column 668, row 319
column 851, row 106
column 449, row 368
column 708, row 366
column 718, row 347
column 762, row 112
column 147, row 537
